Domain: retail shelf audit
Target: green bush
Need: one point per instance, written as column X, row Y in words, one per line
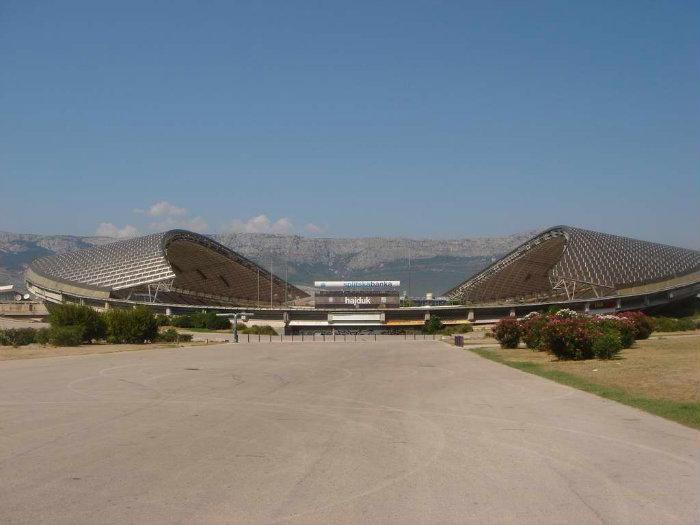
column 258, row 330
column 214, row 322
column 137, row 325
column 208, row 320
column 43, row 336
column 162, row 320
column 607, row 345
column 172, row 336
column 671, row 324
column 79, row 315
column 686, row 323
column 457, row 329
column 66, row 335
column 433, row 325
column 181, row 321
column 623, row 326
column 626, row 331
column 507, row 332
column 17, row 336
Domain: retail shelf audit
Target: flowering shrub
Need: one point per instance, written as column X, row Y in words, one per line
column 571, row 335
column 507, row 332
column 643, row 324
column 531, row 330
column 569, row 338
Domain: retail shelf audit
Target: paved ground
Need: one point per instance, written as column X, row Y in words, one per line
column 15, row 322
column 363, row 433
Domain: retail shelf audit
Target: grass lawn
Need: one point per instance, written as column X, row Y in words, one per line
column 660, row 375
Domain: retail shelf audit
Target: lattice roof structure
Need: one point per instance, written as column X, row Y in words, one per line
column 565, row 263
column 175, row 266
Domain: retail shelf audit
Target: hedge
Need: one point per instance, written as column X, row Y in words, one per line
column 17, row 336
column 137, row 325
column 91, row 321
column 208, row 320
column 66, row 335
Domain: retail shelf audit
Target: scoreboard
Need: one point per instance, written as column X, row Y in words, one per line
column 357, row 294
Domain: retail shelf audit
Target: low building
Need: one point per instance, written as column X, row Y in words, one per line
column 8, row 293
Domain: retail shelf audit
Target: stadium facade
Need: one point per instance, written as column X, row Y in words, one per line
column 568, row 264
column 176, row 267
column 179, row 271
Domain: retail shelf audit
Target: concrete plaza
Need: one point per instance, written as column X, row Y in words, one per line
column 385, row 432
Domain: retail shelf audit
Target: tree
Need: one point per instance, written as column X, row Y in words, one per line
column 433, row 325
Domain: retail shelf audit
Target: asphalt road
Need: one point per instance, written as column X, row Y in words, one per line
column 363, row 433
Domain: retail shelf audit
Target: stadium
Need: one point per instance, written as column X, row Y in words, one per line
column 179, row 271
column 176, row 267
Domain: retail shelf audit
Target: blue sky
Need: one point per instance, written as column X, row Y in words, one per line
column 421, row 119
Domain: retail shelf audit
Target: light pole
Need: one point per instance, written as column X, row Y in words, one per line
column 409, row 273
column 234, row 321
column 271, row 279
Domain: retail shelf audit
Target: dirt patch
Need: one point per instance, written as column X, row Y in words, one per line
column 37, row 351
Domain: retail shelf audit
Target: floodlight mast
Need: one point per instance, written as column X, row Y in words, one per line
column 234, row 321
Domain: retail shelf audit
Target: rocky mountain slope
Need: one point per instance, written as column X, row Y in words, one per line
column 436, row 265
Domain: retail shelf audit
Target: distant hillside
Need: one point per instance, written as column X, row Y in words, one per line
column 436, row 265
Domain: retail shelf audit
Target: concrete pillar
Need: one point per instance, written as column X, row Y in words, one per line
column 168, row 311
column 106, row 305
column 512, row 312
column 587, row 307
column 470, row 316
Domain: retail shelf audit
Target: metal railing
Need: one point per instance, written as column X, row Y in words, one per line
column 337, row 338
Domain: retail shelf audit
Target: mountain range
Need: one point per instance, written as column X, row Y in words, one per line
column 435, row 265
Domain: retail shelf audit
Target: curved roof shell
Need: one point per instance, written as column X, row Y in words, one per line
column 176, row 262
column 566, row 262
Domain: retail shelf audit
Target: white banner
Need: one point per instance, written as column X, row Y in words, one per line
column 357, row 284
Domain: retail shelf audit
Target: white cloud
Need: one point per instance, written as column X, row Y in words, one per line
column 262, row 224
column 166, row 209
column 107, row 229
column 314, row 229
column 169, row 216
column 196, row 224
